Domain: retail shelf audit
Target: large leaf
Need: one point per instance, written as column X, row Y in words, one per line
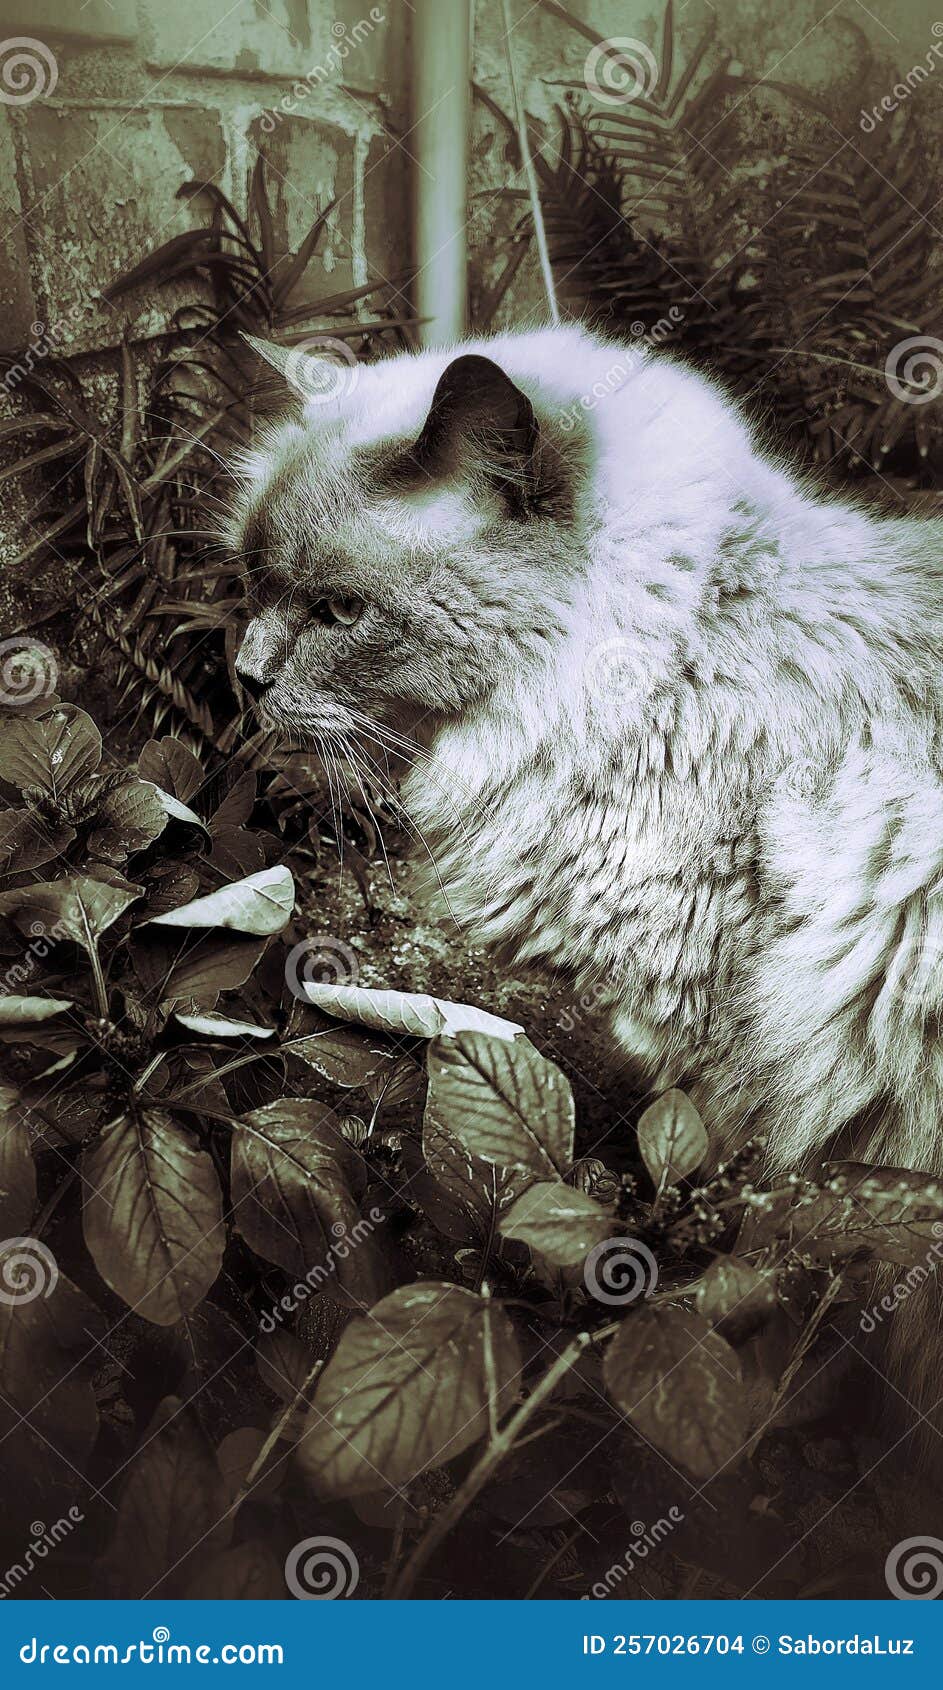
column 79, row 907
column 260, row 904
column 222, row 1026
column 171, row 766
column 26, row 840
column 153, row 1215
column 129, row 819
column 348, row 1056
column 408, row 1389
column 21, row 1012
column 463, row 1195
column 560, row 1223
column 50, row 751
column 292, row 1178
column 671, row 1138
column 176, row 966
column 504, row 1101
column 171, row 1509
column 17, row 1173
column 680, row 1384
column 414, row 1013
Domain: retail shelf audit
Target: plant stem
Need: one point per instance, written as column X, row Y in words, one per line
column 248, row 1482
column 498, row 1447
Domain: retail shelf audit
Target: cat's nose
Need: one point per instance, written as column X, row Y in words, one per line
column 257, row 660
column 254, row 685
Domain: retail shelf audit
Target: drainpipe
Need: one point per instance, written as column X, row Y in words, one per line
column 441, row 118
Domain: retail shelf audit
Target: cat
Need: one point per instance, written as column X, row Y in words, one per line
column 677, row 713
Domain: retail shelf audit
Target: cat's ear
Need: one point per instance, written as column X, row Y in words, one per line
column 478, row 415
column 305, row 375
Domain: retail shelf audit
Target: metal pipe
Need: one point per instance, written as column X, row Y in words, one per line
column 441, row 107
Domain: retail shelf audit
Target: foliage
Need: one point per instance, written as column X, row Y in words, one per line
column 330, row 1259
column 734, row 221
column 137, row 491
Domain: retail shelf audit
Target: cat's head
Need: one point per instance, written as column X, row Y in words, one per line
column 400, row 546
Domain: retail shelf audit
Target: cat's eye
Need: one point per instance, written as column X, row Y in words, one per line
column 344, row 611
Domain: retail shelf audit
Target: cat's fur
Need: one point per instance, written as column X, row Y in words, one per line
column 682, row 713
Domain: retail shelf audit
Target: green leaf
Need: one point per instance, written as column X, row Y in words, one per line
column 260, row 904
column 26, row 840
column 735, row 1297
column 562, row 1224
column 174, row 808
column 153, row 1215
column 681, row 1386
column 414, row 1013
column 408, row 1389
column 671, row 1138
column 129, row 819
column 17, row 1173
column 171, row 1514
column 462, row 1195
column 172, row 767
column 80, row 907
column 222, row 1026
column 16, row 1011
column 345, row 1055
column 504, row 1101
column 50, row 751
column 293, row 1202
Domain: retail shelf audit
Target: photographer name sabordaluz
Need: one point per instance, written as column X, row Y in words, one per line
column 845, row 1645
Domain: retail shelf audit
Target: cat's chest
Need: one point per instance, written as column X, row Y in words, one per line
column 623, row 871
